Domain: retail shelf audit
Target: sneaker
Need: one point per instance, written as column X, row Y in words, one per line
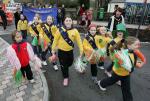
column 65, row 82
column 32, row 81
column 94, row 80
column 55, row 67
column 101, row 88
column 108, row 73
column 101, row 67
column 44, row 63
column 118, row 83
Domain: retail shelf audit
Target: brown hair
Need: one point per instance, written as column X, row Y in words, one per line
column 130, row 40
column 121, row 44
column 13, row 35
column 119, row 9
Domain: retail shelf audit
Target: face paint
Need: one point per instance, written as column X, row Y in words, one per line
column 92, row 31
column 68, row 23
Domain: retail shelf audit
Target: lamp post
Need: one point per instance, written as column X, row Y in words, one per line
column 142, row 18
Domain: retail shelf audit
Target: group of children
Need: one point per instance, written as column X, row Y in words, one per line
column 121, row 49
column 97, row 45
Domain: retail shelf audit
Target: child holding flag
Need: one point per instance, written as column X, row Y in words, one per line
column 19, row 54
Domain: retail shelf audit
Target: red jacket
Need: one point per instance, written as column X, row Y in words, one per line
column 22, row 53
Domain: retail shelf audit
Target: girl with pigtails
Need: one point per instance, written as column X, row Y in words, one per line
column 125, row 61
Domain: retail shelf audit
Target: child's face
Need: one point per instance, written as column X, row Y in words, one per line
column 118, row 13
column 21, row 17
column 120, row 34
column 68, row 22
column 109, row 34
column 135, row 45
column 92, row 31
column 49, row 19
column 102, row 30
column 18, row 37
column 36, row 20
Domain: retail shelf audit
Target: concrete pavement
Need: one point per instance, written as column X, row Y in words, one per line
column 9, row 91
column 104, row 23
column 81, row 87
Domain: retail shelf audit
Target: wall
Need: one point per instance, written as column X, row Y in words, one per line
column 111, row 6
column 137, row 1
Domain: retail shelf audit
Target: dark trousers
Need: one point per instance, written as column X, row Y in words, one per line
column 37, row 50
column 24, row 34
column 44, row 53
column 94, row 70
column 109, row 68
column 26, row 72
column 4, row 22
column 66, row 60
column 16, row 23
column 125, row 85
column 101, row 64
column 88, row 23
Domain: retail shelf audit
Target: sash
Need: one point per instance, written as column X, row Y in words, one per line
column 35, row 29
column 48, row 33
column 91, row 42
column 65, row 36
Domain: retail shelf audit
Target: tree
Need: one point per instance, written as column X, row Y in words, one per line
column 85, row 2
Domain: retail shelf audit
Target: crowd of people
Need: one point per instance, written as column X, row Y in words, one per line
column 100, row 42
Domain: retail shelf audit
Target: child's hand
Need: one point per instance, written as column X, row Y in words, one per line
column 139, row 64
column 53, row 58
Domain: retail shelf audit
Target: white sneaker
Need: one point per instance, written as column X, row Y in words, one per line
column 118, row 83
column 32, row 81
column 94, row 80
column 108, row 73
column 55, row 67
column 44, row 63
column 101, row 88
column 101, row 67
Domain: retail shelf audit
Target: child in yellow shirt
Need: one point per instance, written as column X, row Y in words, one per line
column 23, row 26
column 47, row 34
column 90, row 46
column 64, row 43
column 34, row 29
column 103, row 41
column 119, row 71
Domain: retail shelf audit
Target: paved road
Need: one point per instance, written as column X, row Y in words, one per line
column 81, row 87
column 26, row 91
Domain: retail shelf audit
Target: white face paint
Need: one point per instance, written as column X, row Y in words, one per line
column 18, row 37
column 92, row 31
column 68, row 22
